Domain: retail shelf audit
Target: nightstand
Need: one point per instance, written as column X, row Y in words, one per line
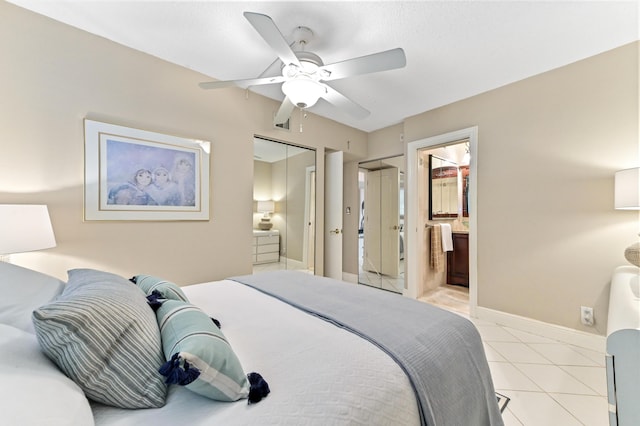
column 266, row 246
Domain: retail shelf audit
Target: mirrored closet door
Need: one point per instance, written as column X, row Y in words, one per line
column 381, row 231
column 283, row 207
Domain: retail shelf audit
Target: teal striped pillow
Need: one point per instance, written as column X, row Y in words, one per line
column 192, row 343
column 169, row 290
column 102, row 334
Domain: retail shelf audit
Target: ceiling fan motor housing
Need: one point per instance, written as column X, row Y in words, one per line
column 303, row 87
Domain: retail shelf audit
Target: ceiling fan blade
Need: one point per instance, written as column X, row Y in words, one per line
column 341, row 101
column 265, row 26
column 241, row 83
column 284, row 112
column 382, row 61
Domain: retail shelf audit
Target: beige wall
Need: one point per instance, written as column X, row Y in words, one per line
column 350, row 222
column 53, row 76
column 548, row 147
column 386, row 142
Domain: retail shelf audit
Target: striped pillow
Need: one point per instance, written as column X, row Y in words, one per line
column 169, row 290
column 193, row 344
column 102, row 334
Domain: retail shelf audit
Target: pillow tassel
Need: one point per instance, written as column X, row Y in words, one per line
column 177, row 375
column 189, row 375
column 259, row 388
column 154, row 300
column 216, row 322
column 169, row 367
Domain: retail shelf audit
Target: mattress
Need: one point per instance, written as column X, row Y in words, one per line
column 319, row 374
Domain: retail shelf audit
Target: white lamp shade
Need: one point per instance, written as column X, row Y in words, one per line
column 627, row 189
column 303, row 92
column 266, row 206
column 25, row 227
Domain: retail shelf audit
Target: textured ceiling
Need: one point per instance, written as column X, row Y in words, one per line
column 454, row 49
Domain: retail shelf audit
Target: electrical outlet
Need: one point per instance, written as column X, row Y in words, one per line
column 586, row 315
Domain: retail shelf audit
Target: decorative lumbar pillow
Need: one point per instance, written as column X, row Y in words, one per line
column 102, row 334
column 200, row 357
column 632, row 254
column 168, row 290
column 24, row 290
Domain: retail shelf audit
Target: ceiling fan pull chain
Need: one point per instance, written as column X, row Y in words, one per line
column 303, row 115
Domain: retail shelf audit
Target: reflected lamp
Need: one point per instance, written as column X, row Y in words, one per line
column 267, row 207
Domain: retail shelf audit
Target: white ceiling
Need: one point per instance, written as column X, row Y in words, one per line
column 454, row 49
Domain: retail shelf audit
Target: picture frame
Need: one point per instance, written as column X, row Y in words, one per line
column 133, row 174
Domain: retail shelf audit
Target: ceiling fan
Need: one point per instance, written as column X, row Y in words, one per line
column 304, row 75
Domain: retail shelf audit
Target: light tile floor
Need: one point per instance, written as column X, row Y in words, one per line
column 549, row 382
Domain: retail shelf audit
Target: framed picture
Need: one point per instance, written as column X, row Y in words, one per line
column 133, row 174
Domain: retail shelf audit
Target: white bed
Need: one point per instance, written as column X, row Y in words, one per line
column 318, row 373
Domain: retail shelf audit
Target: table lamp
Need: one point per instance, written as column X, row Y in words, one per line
column 25, row 227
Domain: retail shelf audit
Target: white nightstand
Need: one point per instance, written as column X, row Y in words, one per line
column 266, row 246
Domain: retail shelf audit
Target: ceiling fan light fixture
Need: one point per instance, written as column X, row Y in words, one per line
column 303, row 92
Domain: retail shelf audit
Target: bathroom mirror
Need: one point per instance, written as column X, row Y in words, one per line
column 443, row 187
column 381, row 230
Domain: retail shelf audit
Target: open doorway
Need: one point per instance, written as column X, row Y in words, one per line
column 445, row 277
column 425, row 214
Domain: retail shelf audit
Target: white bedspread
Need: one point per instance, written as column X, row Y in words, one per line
column 319, row 374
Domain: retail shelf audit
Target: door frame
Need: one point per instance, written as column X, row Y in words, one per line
column 414, row 230
column 307, row 213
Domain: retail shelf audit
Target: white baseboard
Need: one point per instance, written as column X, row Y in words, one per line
column 350, row 278
column 556, row 332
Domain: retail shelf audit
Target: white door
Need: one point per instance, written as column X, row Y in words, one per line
column 333, row 215
column 308, row 253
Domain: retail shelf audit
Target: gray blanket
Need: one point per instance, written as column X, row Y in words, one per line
column 441, row 352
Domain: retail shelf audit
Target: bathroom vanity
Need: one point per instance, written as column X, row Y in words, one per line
column 458, row 259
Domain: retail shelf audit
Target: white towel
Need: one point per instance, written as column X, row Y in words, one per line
column 447, row 240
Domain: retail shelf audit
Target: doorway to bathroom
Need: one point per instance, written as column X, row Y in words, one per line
column 441, row 199
column 444, row 193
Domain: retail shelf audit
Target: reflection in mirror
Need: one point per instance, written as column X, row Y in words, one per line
column 381, row 231
column 443, row 187
column 464, row 172
column 283, row 207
